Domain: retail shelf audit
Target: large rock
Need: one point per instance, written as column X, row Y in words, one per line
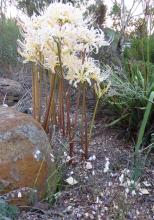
column 25, row 160
column 12, row 90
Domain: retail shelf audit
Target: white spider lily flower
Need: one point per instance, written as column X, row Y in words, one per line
column 30, row 49
column 91, row 38
column 50, row 61
column 64, row 29
column 86, row 72
column 63, row 13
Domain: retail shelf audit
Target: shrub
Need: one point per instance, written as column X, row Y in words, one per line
column 8, row 211
column 130, row 92
column 8, row 42
column 141, row 49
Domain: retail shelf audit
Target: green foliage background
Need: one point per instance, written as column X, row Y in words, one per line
column 9, row 33
column 141, row 49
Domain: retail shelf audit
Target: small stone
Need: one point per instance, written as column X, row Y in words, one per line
column 78, row 215
column 133, row 193
column 71, row 181
column 137, row 212
column 97, row 200
column 101, row 194
column 19, row 195
column 86, row 214
column 146, row 183
column 68, row 209
column 92, row 158
column 127, row 190
column 68, row 158
column 5, row 105
column 89, row 166
column 106, row 208
column 144, row 191
column 110, row 183
column 11, row 90
column 91, row 216
column 121, row 178
column 93, row 173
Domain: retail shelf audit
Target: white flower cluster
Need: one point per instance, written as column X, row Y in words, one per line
column 63, row 34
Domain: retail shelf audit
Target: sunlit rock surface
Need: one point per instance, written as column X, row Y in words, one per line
column 25, row 160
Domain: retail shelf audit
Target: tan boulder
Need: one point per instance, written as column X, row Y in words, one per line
column 25, row 161
column 11, row 89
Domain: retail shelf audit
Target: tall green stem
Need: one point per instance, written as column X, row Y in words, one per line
column 93, row 118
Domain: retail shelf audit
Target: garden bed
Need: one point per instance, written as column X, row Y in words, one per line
column 98, row 193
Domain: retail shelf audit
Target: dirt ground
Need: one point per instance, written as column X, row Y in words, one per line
column 102, row 188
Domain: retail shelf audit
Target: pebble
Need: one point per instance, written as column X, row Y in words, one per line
column 89, row 166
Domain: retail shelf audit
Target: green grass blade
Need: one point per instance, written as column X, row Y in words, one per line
column 144, row 122
column 116, row 121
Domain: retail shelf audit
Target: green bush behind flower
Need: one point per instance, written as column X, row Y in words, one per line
column 9, row 33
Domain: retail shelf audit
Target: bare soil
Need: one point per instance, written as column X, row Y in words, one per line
column 97, row 195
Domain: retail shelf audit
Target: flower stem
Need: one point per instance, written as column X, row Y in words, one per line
column 46, row 120
column 33, row 90
column 86, row 144
column 62, row 115
column 93, row 119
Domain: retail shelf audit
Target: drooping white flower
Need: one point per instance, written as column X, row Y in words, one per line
column 83, row 72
